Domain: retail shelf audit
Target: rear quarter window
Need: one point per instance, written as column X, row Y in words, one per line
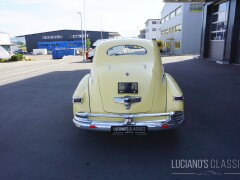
column 122, row 50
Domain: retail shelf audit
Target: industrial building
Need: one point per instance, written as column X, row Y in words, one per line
column 63, row 39
column 221, row 31
column 152, row 29
column 5, row 46
column 142, row 34
column 181, row 27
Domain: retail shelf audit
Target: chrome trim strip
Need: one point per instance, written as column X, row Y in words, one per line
column 85, row 115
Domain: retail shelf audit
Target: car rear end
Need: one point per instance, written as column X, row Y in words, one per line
column 127, row 90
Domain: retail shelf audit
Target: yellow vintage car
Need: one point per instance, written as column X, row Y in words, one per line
column 127, row 90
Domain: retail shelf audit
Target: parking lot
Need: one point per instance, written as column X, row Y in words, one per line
column 39, row 141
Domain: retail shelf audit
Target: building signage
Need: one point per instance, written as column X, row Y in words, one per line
column 79, row 36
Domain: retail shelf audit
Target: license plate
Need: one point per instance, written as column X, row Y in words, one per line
column 121, row 130
column 127, row 88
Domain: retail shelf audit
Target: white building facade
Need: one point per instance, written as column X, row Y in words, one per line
column 181, row 28
column 152, row 29
column 5, row 46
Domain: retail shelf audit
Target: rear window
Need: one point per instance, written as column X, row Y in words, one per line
column 126, row 50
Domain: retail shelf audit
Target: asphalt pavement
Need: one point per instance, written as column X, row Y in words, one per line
column 39, row 141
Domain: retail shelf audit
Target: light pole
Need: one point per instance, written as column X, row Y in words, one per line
column 85, row 25
column 82, row 34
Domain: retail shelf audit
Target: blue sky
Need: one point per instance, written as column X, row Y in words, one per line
column 19, row 17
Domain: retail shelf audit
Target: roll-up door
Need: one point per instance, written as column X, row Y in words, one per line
column 218, row 30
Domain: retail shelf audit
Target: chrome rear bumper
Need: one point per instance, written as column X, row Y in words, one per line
column 172, row 120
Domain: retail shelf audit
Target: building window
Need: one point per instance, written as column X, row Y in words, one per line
column 196, row 8
column 219, row 21
column 166, row 44
column 163, row 32
column 166, row 31
column 178, row 28
column 172, row 15
column 177, row 45
column 154, row 29
column 166, row 18
column 178, row 11
column 220, row 7
column 172, row 29
column 154, row 22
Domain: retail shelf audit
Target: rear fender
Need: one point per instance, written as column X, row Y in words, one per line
column 81, row 93
column 173, row 90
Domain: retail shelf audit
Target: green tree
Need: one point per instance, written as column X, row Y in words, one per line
column 88, row 43
column 21, row 45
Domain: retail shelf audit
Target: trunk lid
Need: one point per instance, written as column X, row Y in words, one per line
column 108, row 85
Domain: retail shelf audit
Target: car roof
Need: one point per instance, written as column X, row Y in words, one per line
column 98, row 41
column 101, row 56
column 152, row 58
column 126, row 41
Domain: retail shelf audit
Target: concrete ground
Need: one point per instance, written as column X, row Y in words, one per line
column 41, row 64
column 39, row 141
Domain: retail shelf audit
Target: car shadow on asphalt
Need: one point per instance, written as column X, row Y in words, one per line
column 166, row 138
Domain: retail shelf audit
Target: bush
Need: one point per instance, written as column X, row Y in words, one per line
column 16, row 57
column 3, row 60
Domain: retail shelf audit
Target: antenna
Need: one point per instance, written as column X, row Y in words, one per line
column 85, row 26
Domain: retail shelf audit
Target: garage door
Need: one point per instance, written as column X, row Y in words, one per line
column 216, row 49
column 218, row 30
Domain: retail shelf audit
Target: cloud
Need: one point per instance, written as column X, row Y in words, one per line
column 62, row 4
column 22, row 2
column 11, row 16
column 20, row 17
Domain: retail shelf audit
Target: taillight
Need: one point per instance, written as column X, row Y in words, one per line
column 164, row 126
column 92, row 126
